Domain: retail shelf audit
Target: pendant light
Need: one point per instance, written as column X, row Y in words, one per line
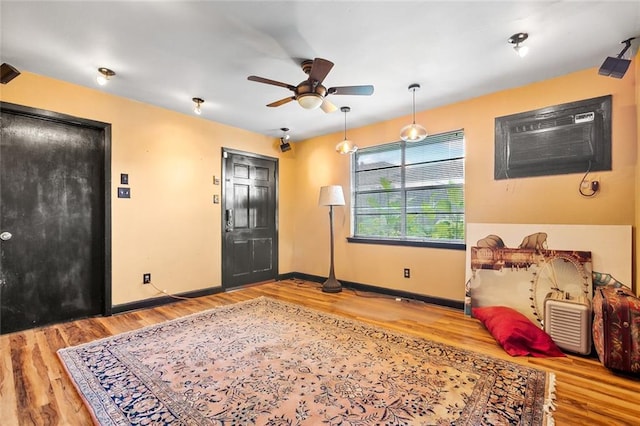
column 346, row 146
column 413, row 132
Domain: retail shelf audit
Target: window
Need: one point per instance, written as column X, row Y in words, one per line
column 410, row 193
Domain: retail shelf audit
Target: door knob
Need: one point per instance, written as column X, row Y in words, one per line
column 5, row 236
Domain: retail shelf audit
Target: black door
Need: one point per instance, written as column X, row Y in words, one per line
column 250, row 242
column 52, row 218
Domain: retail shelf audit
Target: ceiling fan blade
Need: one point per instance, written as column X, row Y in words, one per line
column 273, row 82
column 281, row 102
column 351, row 90
column 327, row 106
column 319, row 69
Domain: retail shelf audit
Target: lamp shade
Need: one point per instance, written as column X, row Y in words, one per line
column 331, row 196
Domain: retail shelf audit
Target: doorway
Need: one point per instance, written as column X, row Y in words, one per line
column 55, row 252
column 249, row 218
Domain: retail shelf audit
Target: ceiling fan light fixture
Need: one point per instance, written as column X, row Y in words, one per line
column 197, row 107
column 517, row 40
column 310, row 100
column 346, row 146
column 104, row 75
column 413, row 132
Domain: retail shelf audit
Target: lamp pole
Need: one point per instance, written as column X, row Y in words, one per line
column 331, row 285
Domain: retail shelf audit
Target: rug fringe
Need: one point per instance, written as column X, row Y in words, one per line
column 550, row 400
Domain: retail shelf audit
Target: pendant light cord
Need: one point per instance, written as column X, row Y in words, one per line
column 345, row 125
column 414, row 105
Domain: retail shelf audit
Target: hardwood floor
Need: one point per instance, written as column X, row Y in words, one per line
column 35, row 389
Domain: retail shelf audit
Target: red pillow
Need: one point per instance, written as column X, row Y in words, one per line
column 517, row 335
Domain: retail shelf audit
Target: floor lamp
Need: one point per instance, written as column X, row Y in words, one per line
column 331, row 196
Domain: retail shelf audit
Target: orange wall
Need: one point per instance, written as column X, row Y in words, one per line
column 170, row 226
column 549, row 199
column 637, row 190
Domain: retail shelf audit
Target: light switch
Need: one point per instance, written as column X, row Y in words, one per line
column 216, row 180
column 124, row 192
column 216, row 199
column 124, row 179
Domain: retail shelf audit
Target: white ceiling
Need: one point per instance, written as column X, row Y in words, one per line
column 165, row 53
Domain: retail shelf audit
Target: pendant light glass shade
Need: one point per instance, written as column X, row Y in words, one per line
column 346, row 146
column 413, row 132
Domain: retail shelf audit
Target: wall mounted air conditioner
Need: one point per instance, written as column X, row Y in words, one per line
column 567, row 138
column 568, row 321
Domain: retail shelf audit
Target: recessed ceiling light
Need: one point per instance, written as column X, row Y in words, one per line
column 104, row 75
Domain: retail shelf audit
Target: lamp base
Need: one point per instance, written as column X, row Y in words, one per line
column 331, row 285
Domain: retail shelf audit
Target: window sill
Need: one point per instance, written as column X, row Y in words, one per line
column 407, row 243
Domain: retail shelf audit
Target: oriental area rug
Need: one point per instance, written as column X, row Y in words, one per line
column 266, row 362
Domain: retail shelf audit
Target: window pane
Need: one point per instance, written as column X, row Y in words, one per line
column 411, row 191
column 384, row 226
column 378, row 203
column 378, row 157
column 431, row 174
column 449, row 227
column 378, row 179
column 437, row 148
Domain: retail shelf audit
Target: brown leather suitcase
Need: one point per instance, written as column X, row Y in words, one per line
column 616, row 328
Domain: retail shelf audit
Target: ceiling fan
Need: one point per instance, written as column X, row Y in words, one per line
column 310, row 93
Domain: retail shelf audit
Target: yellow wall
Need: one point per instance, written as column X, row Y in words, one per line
column 170, row 226
column 637, row 190
column 549, row 199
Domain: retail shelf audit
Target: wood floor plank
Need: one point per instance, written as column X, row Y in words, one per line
column 35, row 389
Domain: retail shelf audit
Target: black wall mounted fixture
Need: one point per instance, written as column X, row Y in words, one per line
column 616, row 67
column 284, row 140
column 7, row 73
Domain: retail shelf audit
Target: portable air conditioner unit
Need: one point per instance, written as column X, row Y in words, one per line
column 568, row 321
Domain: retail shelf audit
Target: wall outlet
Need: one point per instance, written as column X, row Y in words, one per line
column 407, row 273
column 146, row 278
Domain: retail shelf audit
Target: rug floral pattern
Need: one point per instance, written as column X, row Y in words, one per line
column 265, row 362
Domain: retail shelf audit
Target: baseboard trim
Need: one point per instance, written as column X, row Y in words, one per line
column 381, row 290
column 164, row 300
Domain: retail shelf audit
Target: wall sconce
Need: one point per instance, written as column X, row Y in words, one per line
column 616, row 67
column 198, row 102
column 104, row 75
column 284, row 140
column 413, row 132
column 346, row 146
column 516, row 39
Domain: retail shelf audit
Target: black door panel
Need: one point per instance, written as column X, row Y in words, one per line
column 249, row 251
column 52, row 201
